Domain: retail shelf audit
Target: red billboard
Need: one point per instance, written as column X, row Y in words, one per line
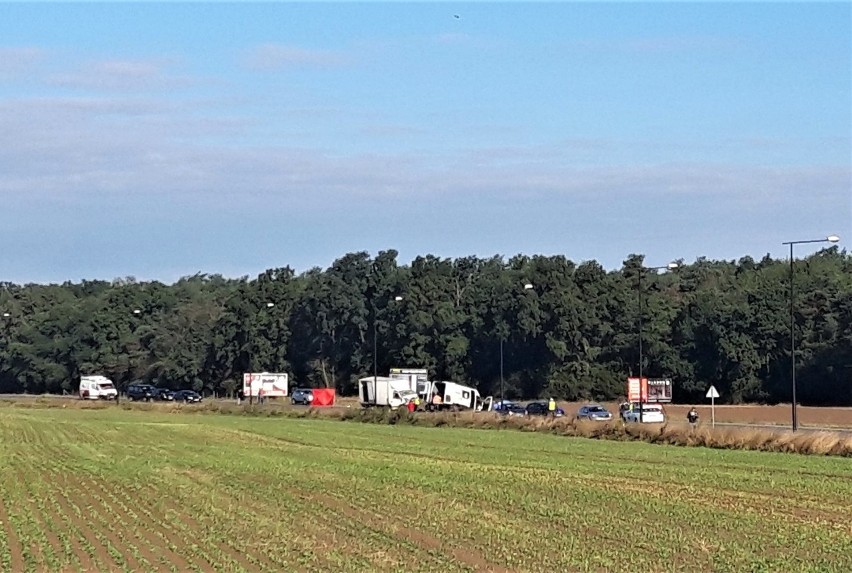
column 649, row 390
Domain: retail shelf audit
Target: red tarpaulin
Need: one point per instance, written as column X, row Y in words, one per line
column 323, row 397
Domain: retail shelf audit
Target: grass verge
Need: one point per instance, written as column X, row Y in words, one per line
column 823, row 443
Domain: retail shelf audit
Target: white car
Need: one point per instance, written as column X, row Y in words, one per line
column 650, row 414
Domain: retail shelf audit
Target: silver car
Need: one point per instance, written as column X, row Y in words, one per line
column 594, row 412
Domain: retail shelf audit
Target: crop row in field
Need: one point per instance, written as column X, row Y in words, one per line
column 116, row 490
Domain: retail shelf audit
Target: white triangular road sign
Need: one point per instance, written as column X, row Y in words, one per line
column 712, row 392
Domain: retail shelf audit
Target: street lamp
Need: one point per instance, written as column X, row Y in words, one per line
column 268, row 305
column 671, row 266
column 397, row 298
column 828, row 239
column 527, row 286
column 136, row 312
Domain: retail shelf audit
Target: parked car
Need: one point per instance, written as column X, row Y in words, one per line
column 302, row 396
column 509, row 408
column 188, row 396
column 650, row 414
column 594, row 412
column 540, row 409
column 164, row 395
column 138, row 391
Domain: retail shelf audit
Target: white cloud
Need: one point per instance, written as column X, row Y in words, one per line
column 278, row 56
column 18, row 60
column 58, row 148
column 123, row 75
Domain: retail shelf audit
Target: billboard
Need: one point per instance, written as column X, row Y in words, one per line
column 650, row 390
column 271, row 384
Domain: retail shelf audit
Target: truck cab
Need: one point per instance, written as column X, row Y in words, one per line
column 385, row 392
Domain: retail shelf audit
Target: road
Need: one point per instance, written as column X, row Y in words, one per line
column 705, row 421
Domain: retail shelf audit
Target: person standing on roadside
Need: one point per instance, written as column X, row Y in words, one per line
column 692, row 416
column 551, row 408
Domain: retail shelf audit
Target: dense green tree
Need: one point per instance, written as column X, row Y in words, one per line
column 573, row 334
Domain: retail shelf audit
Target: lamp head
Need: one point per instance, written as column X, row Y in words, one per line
column 832, row 238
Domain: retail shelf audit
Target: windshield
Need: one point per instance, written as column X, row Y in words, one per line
column 107, row 386
column 596, row 409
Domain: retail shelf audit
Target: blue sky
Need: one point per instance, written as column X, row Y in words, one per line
column 161, row 140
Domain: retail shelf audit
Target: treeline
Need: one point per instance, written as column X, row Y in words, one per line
column 574, row 334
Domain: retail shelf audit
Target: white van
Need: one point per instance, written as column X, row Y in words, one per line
column 97, row 388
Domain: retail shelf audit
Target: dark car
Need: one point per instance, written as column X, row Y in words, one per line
column 508, row 408
column 594, row 412
column 164, row 395
column 540, row 409
column 188, row 396
column 303, row 396
column 141, row 392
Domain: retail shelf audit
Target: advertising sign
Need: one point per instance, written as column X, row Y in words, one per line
column 266, row 384
column 649, row 390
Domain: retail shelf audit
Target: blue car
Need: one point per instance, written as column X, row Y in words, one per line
column 302, row 396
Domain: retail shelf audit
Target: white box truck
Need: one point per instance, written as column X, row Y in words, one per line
column 384, row 391
column 97, row 388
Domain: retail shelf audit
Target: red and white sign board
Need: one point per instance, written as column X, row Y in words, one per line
column 649, row 390
column 266, row 384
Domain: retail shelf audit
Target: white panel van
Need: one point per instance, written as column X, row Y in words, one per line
column 97, row 388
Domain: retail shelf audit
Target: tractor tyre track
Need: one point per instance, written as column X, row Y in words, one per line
column 419, row 538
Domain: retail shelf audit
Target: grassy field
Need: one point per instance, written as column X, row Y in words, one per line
column 112, row 490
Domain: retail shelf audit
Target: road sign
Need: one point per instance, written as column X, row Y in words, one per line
column 712, row 393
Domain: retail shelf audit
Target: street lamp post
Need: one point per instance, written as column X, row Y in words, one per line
column 828, row 239
column 671, row 266
column 136, row 312
column 397, row 298
column 268, row 305
column 502, row 387
column 527, row 286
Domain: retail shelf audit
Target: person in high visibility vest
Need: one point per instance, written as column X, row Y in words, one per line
column 551, row 407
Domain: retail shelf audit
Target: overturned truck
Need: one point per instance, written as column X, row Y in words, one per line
column 442, row 395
